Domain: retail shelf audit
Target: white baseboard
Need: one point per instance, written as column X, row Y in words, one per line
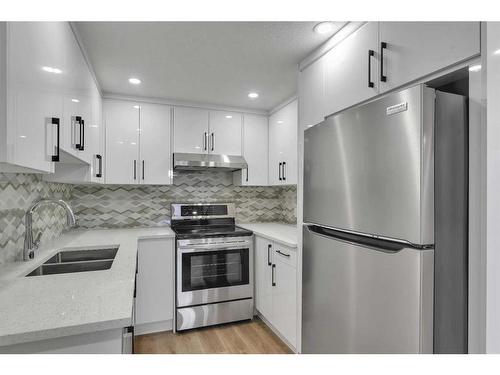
column 144, row 329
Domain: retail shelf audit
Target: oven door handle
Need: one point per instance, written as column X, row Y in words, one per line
column 214, row 247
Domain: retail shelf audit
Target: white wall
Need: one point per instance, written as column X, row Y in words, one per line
column 493, row 188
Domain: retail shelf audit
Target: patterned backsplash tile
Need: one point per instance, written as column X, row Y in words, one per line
column 17, row 193
column 122, row 206
column 117, row 206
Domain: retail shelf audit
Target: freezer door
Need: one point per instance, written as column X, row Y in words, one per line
column 370, row 168
column 362, row 299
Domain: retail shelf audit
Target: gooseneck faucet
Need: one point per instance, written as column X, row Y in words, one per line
column 31, row 245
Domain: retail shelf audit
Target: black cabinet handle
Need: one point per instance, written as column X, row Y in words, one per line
column 269, row 246
column 273, row 282
column 135, row 169
column 213, row 141
column 279, row 172
column 205, row 136
column 383, row 45
column 247, row 173
column 371, row 53
column 82, row 144
column 286, row 255
column 99, row 159
column 78, row 120
column 143, row 170
column 284, row 169
column 55, row 121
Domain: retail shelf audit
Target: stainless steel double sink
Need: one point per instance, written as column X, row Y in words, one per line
column 77, row 260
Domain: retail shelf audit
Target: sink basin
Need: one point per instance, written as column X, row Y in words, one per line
column 57, row 268
column 77, row 260
column 66, row 256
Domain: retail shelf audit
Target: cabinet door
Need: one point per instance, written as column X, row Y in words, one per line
column 277, row 128
column 348, row 80
column 36, row 59
column 155, row 281
column 96, row 138
column 225, row 133
column 263, row 282
column 416, row 49
column 312, row 94
column 190, row 130
column 255, row 151
column 285, row 296
column 122, row 142
column 155, row 167
column 283, row 145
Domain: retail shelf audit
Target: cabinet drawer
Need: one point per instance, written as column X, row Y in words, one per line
column 287, row 254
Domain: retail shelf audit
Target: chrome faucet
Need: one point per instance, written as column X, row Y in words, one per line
column 31, row 245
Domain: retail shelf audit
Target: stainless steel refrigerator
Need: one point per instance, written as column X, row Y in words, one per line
column 383, row 182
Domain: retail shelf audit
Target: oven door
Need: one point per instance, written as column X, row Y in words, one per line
column 213, row 270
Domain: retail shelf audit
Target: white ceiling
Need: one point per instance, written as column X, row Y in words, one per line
column 204, row 62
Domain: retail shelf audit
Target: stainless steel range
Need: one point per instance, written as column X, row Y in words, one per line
column 214, row 266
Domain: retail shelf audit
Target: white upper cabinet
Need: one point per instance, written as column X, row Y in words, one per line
column 48, row 100
column 415, row 49
column 191, row 130
column 351, row 69
column 283, row 145
column 137, row 143
column 225, row 133
column 122, row 142
column 156, row 166
column 312, row 94
column 255, row 152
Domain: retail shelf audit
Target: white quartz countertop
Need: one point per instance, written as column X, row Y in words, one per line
column 283, row 233
column 49, row 306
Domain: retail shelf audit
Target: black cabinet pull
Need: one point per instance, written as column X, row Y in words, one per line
column 269, row 246
column 371, row 53
column 247, row 173
column 205, row 136
column 78, row 120
column 135, row 169
column 279, row 172
column 284, row 169
column 273, row 281
column 55, row 121
column 383, row 45
column 82, row 144
column 286, row 255
column 213, row 141
column 143, row 170
column 99, row 159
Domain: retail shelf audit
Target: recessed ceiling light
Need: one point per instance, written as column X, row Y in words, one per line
column 75, row 100
column 253, row 95
column 229, row 116
column 323, row 28
column 475, row 68
column 50, row 69
column 134, row 81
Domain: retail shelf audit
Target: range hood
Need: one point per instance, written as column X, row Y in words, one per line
column 193, row 162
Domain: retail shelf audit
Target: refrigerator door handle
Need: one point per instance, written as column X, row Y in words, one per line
column 374, row 243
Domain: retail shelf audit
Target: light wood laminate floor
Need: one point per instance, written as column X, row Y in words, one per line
column 250, row 337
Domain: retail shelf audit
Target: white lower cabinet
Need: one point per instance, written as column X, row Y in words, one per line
column 154, row 309
column 276, row 287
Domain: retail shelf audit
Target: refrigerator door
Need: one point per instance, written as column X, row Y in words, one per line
column 357, row 298
column 369, row 169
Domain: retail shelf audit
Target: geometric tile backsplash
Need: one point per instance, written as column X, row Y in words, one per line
column 17, row 193
column 123, row 206
column 113, row 206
